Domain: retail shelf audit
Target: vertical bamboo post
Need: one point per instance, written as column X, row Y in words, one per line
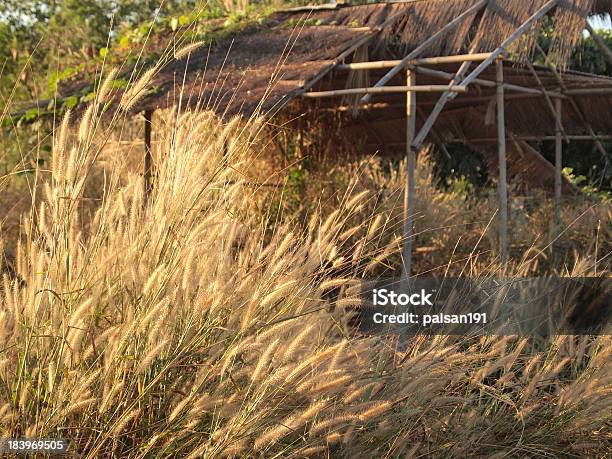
column 411, row 115
column 558, row 166
column 148, row 158
column 503, row 185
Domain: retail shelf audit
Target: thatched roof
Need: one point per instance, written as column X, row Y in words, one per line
column 263, row 69
column 293, row 47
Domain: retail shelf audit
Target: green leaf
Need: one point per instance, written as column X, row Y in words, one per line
column 71, row 101
column 119, row 83
column 31, row 114
column 124, row 42
column 89, row 96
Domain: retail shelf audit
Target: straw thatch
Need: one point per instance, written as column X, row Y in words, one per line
column 293, row 47
column 263, row 69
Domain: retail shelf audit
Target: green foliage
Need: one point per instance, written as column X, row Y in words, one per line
column 586, row 186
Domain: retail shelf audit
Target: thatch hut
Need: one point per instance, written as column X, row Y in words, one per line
column 396, row 75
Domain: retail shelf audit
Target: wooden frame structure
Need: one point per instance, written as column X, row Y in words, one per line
column 452, row 86
column 458, row 83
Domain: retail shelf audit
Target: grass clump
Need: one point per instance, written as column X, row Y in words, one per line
column 181, row 325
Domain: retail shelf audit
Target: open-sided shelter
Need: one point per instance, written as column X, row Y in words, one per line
column 397, row 75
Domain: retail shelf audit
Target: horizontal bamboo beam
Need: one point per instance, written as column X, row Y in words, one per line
column 347, row 52
column 497, row 53
column 383, row 89
column 535, row 138
column 589, row 92
column 462, row 101
column 427, row 43
column 424, row 61
column 488, row 83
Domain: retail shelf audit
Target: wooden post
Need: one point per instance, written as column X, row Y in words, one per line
column 576, row 107
column 411, row 115
column 558, row 167
column 551, row 106
column 503, row 185
column 148, row 158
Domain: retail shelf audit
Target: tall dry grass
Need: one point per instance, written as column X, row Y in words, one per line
column 181, row 326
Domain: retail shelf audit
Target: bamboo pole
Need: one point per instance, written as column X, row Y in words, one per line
column 558, row 166
column 411, row 115
column 551, row 107
column 464, row 100
column 586, row 138
column 382, row 90
column 148, row 157
column 503, row 185
column 423, row 61
column 502, row 49
column 600, row 43
column 488, row 83
column 589, row 92
column 596, row 139
column 351, row 48
column 426, row 44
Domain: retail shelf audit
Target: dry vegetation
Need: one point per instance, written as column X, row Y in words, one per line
column 196, row 323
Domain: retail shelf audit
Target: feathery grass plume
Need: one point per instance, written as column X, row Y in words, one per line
column 349, row 233
column 333, row 438
column 311, row 361
column 274, row 434
column 184, row 51
column 152, row 280
column 150, row 356
column 116, row 388
column 279, row 292
column 124, row 421
column 317, row 378
column 106, row 85
column 356, row 200
column 296, row 342
column 137, row 90
column 80, row 406
column 178, row 409
column 264, row 360
column 374, row 226
column 277, row 330
column 333, row 385
column 85, row 131
column 311, row 412
column 328, row 424
column 80, row 312
column 375, row 411
column 357, row 393
column 60, row 147
column 349, row 303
